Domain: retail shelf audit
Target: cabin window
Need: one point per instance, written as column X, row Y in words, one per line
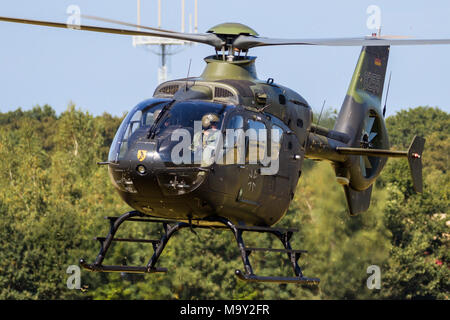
column 234, row 142
column 256, row 136
column 276, row 137
column 236, row 122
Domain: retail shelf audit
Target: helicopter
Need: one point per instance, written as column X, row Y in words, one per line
column 224, row 150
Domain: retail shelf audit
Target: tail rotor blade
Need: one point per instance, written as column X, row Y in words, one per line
column 372, row 135
column 362, row 164
column 369, row 124
column 367, row 163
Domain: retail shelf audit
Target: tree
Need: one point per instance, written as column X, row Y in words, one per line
column 418, row 263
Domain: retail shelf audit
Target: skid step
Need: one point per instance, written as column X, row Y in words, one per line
column 298, row 280
column 127, row 269
column 143, row 220
column 129, row 240
column 265, row 229
column 276, row 250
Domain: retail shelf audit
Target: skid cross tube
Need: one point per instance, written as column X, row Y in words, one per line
column 292, row 255
column 158, row 245
column 240, row 241
column 284, row 235
column 169, row 232
column 105, row 243
column 114, row 226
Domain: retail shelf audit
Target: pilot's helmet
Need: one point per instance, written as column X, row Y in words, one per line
column 210, row 119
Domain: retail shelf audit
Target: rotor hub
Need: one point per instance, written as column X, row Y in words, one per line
column 232, row 29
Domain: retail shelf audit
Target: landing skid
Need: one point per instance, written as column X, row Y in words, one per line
column 171, row 227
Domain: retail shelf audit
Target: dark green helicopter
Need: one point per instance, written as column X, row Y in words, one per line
column 250, row 138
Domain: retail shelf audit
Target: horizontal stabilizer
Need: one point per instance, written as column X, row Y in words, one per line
column 414, row 155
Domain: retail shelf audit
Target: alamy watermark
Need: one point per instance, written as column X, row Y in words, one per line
column 374, row 19
column 74, row 280
column 374, row 280
column 74, row 19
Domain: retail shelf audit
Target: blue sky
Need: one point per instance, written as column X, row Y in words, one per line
column 105, row 73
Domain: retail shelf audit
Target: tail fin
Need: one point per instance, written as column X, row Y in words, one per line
column 361, row 119
column 365, row 91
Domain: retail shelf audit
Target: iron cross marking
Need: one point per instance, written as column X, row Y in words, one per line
column 252, row 180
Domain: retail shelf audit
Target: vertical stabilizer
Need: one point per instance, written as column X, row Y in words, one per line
column 361, row 119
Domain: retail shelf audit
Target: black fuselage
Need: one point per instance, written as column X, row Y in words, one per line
column 143, row 169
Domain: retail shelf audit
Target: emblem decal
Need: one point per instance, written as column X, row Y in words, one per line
column 141, row 154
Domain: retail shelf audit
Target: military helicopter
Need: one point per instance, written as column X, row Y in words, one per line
column 176, row 185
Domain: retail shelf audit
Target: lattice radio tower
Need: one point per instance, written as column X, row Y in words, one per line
column 165, row 45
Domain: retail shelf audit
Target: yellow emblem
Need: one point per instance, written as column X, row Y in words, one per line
column 141, row 155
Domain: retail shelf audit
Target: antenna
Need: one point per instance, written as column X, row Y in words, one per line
column 387, row 93
column 187, row 77
column 182, row 16
column 138, row 14
column 196, row 16
column 159, row 13
column 320, row 115
column 165, row 45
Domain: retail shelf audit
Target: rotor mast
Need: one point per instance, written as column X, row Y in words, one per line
column 164, row 44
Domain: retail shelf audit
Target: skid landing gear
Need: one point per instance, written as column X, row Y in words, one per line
column 171, row 227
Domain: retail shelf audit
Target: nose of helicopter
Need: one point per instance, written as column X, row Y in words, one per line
column 147, row 171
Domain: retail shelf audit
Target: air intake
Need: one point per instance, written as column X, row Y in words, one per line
column 222, row 93
column 169, row 89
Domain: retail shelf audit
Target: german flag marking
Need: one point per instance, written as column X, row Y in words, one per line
column 378, row 62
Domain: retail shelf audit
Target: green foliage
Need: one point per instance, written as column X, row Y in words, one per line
column 418, row 264
column 54, row 198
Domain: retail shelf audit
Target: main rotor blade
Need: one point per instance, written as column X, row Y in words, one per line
column 210, row 39
column 124, row 23
column 244, row 42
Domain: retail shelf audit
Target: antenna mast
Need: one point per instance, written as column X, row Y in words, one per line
column 164, row 44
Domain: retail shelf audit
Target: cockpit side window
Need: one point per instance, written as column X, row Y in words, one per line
column 134, row 124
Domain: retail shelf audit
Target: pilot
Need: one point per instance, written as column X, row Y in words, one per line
column 210, row 133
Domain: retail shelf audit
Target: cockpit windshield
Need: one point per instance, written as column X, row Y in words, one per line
column 186, row 114
column 142, row 116
column 141, row 120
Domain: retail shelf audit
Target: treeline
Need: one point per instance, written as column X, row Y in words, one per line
column 54, row 198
